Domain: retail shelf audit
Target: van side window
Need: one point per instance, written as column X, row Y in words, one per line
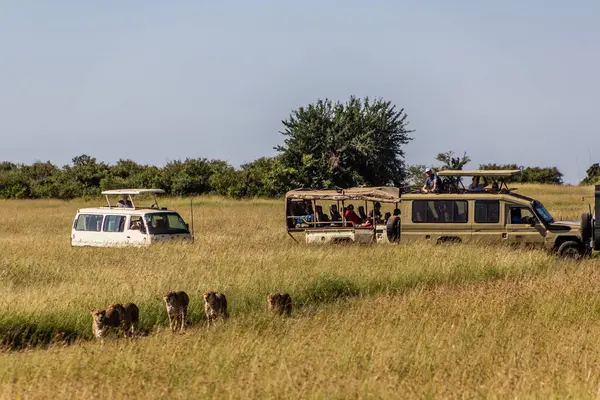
column 137, row 223
column 440, row 211
column 487, row 211
column 114, row 223
column 89, row 222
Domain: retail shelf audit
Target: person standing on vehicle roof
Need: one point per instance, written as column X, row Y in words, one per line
column 433, row 181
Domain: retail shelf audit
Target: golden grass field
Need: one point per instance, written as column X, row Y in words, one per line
column 380, row 321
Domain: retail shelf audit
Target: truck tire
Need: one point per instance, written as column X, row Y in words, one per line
column 586, row 227
column 392, row 228
column 571, row 250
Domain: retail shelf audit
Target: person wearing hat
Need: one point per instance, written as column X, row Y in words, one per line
column 432, row 181
column 375, row 212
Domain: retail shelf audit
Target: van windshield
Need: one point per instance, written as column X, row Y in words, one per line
column 165, row 223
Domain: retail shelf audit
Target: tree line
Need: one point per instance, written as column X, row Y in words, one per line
column 326, row 145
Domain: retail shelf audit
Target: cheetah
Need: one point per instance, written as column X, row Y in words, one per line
column 279, row 303
column 177, row 305
column 215, row 306
column 126, row 317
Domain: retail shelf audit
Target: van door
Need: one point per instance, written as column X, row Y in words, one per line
column 488, row 224
column 136, row 232
column 522, row 226
column 87, row 230
column 113, row 230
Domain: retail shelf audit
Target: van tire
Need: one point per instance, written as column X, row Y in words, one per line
column 586, row 227
column 571, row 250
column 392, row 228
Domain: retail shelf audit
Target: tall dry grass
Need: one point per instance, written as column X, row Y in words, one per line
column 371, row 321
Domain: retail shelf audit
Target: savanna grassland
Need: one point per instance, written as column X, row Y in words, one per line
column 381, row 321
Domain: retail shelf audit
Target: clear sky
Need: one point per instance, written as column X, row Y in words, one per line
column 507, row 82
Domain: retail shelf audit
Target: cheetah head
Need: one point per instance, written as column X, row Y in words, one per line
column 210, row 298
column 99, row 316
column 273, row 298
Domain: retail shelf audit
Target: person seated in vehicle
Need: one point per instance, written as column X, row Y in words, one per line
column 433, row 181
column 515, row 216
column 321, row 216
column 376, row 211
column 308, row 218
column 351, row 216
column 335, row 214
column 387, row 216
column 476, row 186
column 124, row 202
column 137, row 224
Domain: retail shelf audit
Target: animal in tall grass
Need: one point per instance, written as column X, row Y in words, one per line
column 279, row 303
column 215, row 307
column 123, row 317
column 177, row 305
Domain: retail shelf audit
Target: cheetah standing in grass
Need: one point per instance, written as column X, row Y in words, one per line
column 126, row 317
column 177, row 305
column 215, row 306
column 279, row 303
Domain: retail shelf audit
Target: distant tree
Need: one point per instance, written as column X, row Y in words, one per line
column 546, row 175
column 359, row 142
column 190, row 176
column 224, row 179
column 415, row 175
column 450, row 162
column 592, row 175
column 7, row 166
column 266, row 177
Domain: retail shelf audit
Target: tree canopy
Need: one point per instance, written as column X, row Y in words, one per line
column 356, row 143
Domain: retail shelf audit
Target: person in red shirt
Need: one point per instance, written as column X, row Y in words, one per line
column 351, row 216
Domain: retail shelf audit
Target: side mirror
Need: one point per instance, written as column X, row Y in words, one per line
column 187, row 226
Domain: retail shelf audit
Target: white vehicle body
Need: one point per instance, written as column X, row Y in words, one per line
column 116, row 226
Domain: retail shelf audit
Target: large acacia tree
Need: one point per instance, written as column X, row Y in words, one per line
column 359, row 142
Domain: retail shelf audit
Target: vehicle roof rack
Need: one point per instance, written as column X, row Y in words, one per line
column 385, row 194
column 479, row 172
column 133, row 192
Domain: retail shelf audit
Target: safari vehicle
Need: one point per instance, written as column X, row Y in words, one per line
column 493, row 214
column 127, row 224
column 334, row 227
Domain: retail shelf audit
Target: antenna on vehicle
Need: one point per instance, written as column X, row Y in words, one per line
column 192, row 217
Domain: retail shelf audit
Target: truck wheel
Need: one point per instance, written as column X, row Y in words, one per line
column 392, row 228
column 571, row 250
column 586, row 227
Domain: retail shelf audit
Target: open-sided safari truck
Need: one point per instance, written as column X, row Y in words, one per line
column 321, row 214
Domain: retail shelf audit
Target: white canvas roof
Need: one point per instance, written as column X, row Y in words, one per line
column 133, row 191
column 385, row 194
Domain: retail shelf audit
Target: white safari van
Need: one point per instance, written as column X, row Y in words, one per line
column 126, row 224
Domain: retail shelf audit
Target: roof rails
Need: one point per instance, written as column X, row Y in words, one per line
column 132, row 192
column 479, row 172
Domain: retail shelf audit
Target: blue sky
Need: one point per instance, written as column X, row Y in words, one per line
column 507, row 82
